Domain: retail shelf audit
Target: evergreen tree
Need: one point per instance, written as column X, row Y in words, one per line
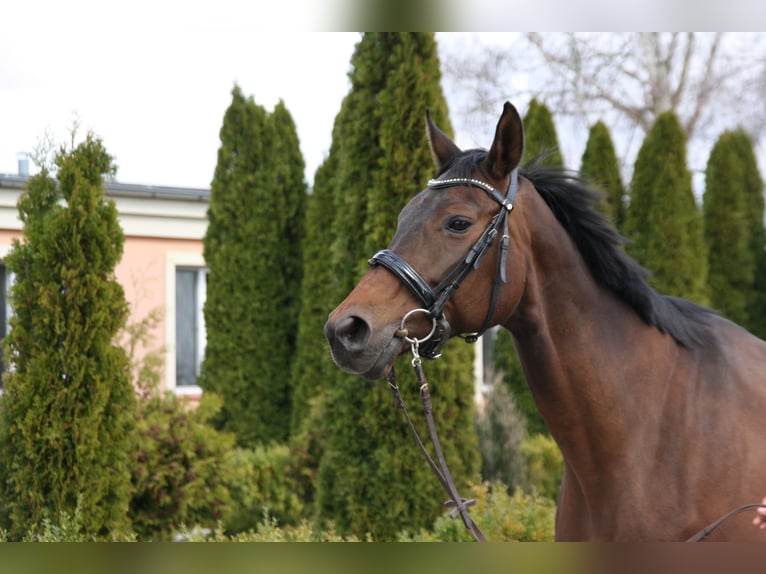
column 752, row 183
column 540, row 135
column 372, row 476
column 663, row 222
column 251, row 249
column 730, row 260
column 68, row 408
column 501, row 428
column 600, row 165
column 313, row 368
column 507, row 364
column 290, row 183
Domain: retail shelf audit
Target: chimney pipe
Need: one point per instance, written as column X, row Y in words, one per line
column 23, row 161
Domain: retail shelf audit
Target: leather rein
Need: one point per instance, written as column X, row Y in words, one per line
column 433, row 301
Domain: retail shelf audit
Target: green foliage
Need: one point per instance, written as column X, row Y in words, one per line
column 312, row 368
column 501, row 429
column 543, row 466
column 540, row 137
column 263, row 482
column 507, row 365
column 66, row 527
column 252, row 248
column 731, row 262
column 183, row 467
column 599, row 164
column 752, row 185
column 307, row 446
column 268, row 529
column 68, row 408
column 663, row 222
column 372, row 478
column 500, row 516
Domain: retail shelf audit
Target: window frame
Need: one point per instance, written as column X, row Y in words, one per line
column 174, row 262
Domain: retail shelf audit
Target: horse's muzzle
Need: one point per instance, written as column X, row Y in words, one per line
column 354, row 348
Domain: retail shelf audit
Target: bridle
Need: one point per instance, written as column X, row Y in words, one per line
column 434, row 299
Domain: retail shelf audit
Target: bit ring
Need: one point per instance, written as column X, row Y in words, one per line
column 414, row 340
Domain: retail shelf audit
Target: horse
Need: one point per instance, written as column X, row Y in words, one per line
column 658, row 405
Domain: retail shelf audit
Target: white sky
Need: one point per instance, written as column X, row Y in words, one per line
column 153, row 78
column 156, row 93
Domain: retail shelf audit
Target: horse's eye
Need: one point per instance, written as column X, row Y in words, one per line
column 458, row 225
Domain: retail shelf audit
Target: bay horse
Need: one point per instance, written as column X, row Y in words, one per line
column 657, row 404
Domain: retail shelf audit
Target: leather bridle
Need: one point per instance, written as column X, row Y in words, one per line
column 434, row 299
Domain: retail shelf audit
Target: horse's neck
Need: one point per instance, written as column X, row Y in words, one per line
column 581, row 348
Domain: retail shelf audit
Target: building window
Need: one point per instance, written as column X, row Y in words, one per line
column 186, row 285
column 190, row 325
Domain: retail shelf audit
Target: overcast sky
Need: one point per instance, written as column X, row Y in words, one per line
column 153, row 78
column 157, row 95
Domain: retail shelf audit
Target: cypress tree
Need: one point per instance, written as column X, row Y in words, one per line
column 290, row 183
column 372, row 477
column 599, row 164
column 730, row 260
column 663, row 223
column 68, row 407
column 313, row 368
column 540, row 135
column 251, row 248
column 752, row 183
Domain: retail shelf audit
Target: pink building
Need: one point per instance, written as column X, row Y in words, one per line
column 162, row 267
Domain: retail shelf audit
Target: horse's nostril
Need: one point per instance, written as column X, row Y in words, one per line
column 352, row 332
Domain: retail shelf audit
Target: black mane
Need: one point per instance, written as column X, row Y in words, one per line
column 573, row 203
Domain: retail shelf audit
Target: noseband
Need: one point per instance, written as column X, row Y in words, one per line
column 434, row 299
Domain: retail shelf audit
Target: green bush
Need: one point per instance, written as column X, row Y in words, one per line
column 543, row 466
column 262, row 483
column 182, row 470
column 501, row 428
column 267, row 530
column 500, row 516
column 70, row 528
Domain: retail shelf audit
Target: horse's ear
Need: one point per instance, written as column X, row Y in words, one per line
column 508, row 147
column 443, row 149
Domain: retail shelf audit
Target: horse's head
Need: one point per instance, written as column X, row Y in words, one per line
column 459, row 232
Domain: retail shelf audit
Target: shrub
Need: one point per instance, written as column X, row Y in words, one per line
column 500, row 516
column 67, row 527
column 501, row 429
column 182, row 470
column 262, row 484
column 543, row 466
